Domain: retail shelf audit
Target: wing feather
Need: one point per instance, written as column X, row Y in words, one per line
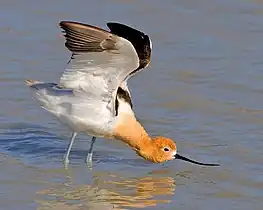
column 141, row 42
column 100, row 62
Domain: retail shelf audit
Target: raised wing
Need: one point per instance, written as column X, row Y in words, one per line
column 140, row 41
column 100, row 61
column 143, row 46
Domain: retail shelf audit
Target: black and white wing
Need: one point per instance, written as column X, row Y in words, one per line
column 143, row 46
column 100, row 62
column 140, row 41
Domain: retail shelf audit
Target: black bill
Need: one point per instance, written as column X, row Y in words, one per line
column 192, row 161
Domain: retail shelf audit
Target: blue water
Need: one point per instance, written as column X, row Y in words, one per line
column 203, row 89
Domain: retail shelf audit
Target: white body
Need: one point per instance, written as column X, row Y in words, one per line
column 72, row 110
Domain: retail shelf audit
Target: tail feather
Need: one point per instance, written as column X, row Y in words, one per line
column 42, row 95
column 30, row 82
column 38, row 85
column 50, row 95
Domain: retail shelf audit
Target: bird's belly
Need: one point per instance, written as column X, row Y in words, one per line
column 101, row 126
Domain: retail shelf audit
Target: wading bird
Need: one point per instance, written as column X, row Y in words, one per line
column 92, row 95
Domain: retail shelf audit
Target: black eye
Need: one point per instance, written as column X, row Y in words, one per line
column 166, row 149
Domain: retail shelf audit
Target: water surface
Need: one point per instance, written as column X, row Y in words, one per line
column 203, row 88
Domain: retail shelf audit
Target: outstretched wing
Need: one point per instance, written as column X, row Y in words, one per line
column 100, row 61
column 143, row 46
column 140, row 41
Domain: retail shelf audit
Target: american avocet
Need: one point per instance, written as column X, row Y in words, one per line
column 93, row 95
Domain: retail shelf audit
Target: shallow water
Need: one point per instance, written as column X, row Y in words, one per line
column 203, row 88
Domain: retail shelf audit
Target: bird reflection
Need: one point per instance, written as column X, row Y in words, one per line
column 109, row 191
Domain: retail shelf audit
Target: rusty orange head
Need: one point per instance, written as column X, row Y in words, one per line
column 163, row 149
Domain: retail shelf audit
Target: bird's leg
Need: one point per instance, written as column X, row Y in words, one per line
column 66, row 159
column 89, row 156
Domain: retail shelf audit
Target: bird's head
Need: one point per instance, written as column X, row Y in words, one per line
column 163, row 149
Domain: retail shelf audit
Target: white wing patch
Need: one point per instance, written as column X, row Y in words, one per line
column 100, row 62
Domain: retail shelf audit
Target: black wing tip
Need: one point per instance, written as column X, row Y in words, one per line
column 114, row 25
column 109, row 24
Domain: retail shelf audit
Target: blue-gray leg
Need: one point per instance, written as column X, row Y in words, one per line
column 66, row 157
column 89, row 156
